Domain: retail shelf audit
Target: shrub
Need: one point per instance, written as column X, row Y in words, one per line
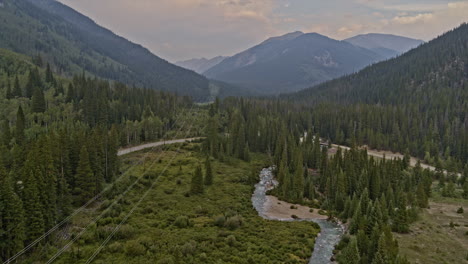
column 311, row 210
column 322, row 212
column 133, row 248
column 182, row 222
column 219, row 221
column 231, row 240
column 189, row 248
column 460, row 210
column 166, row 260
column 295, row 216
column 115, row 247
column 233, row 222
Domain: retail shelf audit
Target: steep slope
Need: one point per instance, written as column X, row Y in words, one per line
column 72, row 42
column 386, row 45
column 418, row 101
column 292, row 62
column 200, row 65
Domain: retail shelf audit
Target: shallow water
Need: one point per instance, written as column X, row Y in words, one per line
column 330, row 233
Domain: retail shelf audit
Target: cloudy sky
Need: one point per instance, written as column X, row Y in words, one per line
column 183, row 29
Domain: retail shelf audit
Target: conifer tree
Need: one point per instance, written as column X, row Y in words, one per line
column 84, row 179
column 350, row 254
column 16, row 88
column 49, row 77
column 70, row 93
column 246, row 155
column 298, row 180
column 35, row 225
column 20, row 126
column 208, row 172
column 401, row 223
column 38, row 104
column 196, row 186
column 9, row 92
column 11, row 218
column 6, row 133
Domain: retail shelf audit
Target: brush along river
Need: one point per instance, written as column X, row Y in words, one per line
column 270, row 208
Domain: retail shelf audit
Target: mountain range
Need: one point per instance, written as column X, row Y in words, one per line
column 297, row 60
column 386, row 45
column 71, row 43
column 200, row 65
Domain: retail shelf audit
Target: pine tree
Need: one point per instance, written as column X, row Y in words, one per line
column 400, row 222
column 196, row 186
column 246, row 155
column 49, row 77
column 298, row 180
column 20, row 126
column 35, row 225
column 208, row 172
column 11, row 218
column 350, row 255
column 6, row 134
column 9, row 93
column 38, row 104
column 84, row 178
column 70, row 93
column 16, row 88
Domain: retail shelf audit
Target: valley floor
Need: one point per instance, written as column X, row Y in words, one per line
column 432, row 239
column 173, row 226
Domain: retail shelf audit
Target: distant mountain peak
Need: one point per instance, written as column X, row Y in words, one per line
column 200, row 65
column 288, row 36
column 386, row 44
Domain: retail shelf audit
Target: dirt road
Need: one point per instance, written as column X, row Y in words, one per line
column 125, row 151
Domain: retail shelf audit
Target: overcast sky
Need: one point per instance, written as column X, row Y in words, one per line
column 183, row 29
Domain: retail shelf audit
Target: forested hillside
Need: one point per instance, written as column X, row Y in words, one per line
column 377, row 198
column 71, row 42
column 417, row 102
column 59, row 142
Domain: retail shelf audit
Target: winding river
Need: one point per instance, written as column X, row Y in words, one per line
column 330, row 233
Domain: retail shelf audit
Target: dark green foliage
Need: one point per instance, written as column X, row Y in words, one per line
column 85, row 187
column 12, row 228
column 16, row 88
column 49, row 77
column 6, row 133
column 38, row 104
column 350, row 254
column 196, row 186
column 208, row 172
column 8, row 93
column 20, row 126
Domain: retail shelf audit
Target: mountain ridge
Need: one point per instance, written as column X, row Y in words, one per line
column 72, row 42
column 292, row 62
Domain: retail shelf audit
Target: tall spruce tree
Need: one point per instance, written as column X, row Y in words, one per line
column 16, row 88
column 208, row 172
column 20, row 126
column 84, row 179
column 196, row 186
column 12, row 218
column 38, row 104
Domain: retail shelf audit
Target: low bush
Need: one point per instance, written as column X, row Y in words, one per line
column 182, row 222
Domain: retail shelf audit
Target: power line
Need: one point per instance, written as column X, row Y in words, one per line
column 129, row 213
column 101, row 215
column 39, row 239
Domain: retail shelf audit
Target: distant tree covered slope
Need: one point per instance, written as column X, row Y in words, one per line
column 73, row 42
column 418, row 101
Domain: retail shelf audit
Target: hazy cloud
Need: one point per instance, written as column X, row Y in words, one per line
column 181, row 29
